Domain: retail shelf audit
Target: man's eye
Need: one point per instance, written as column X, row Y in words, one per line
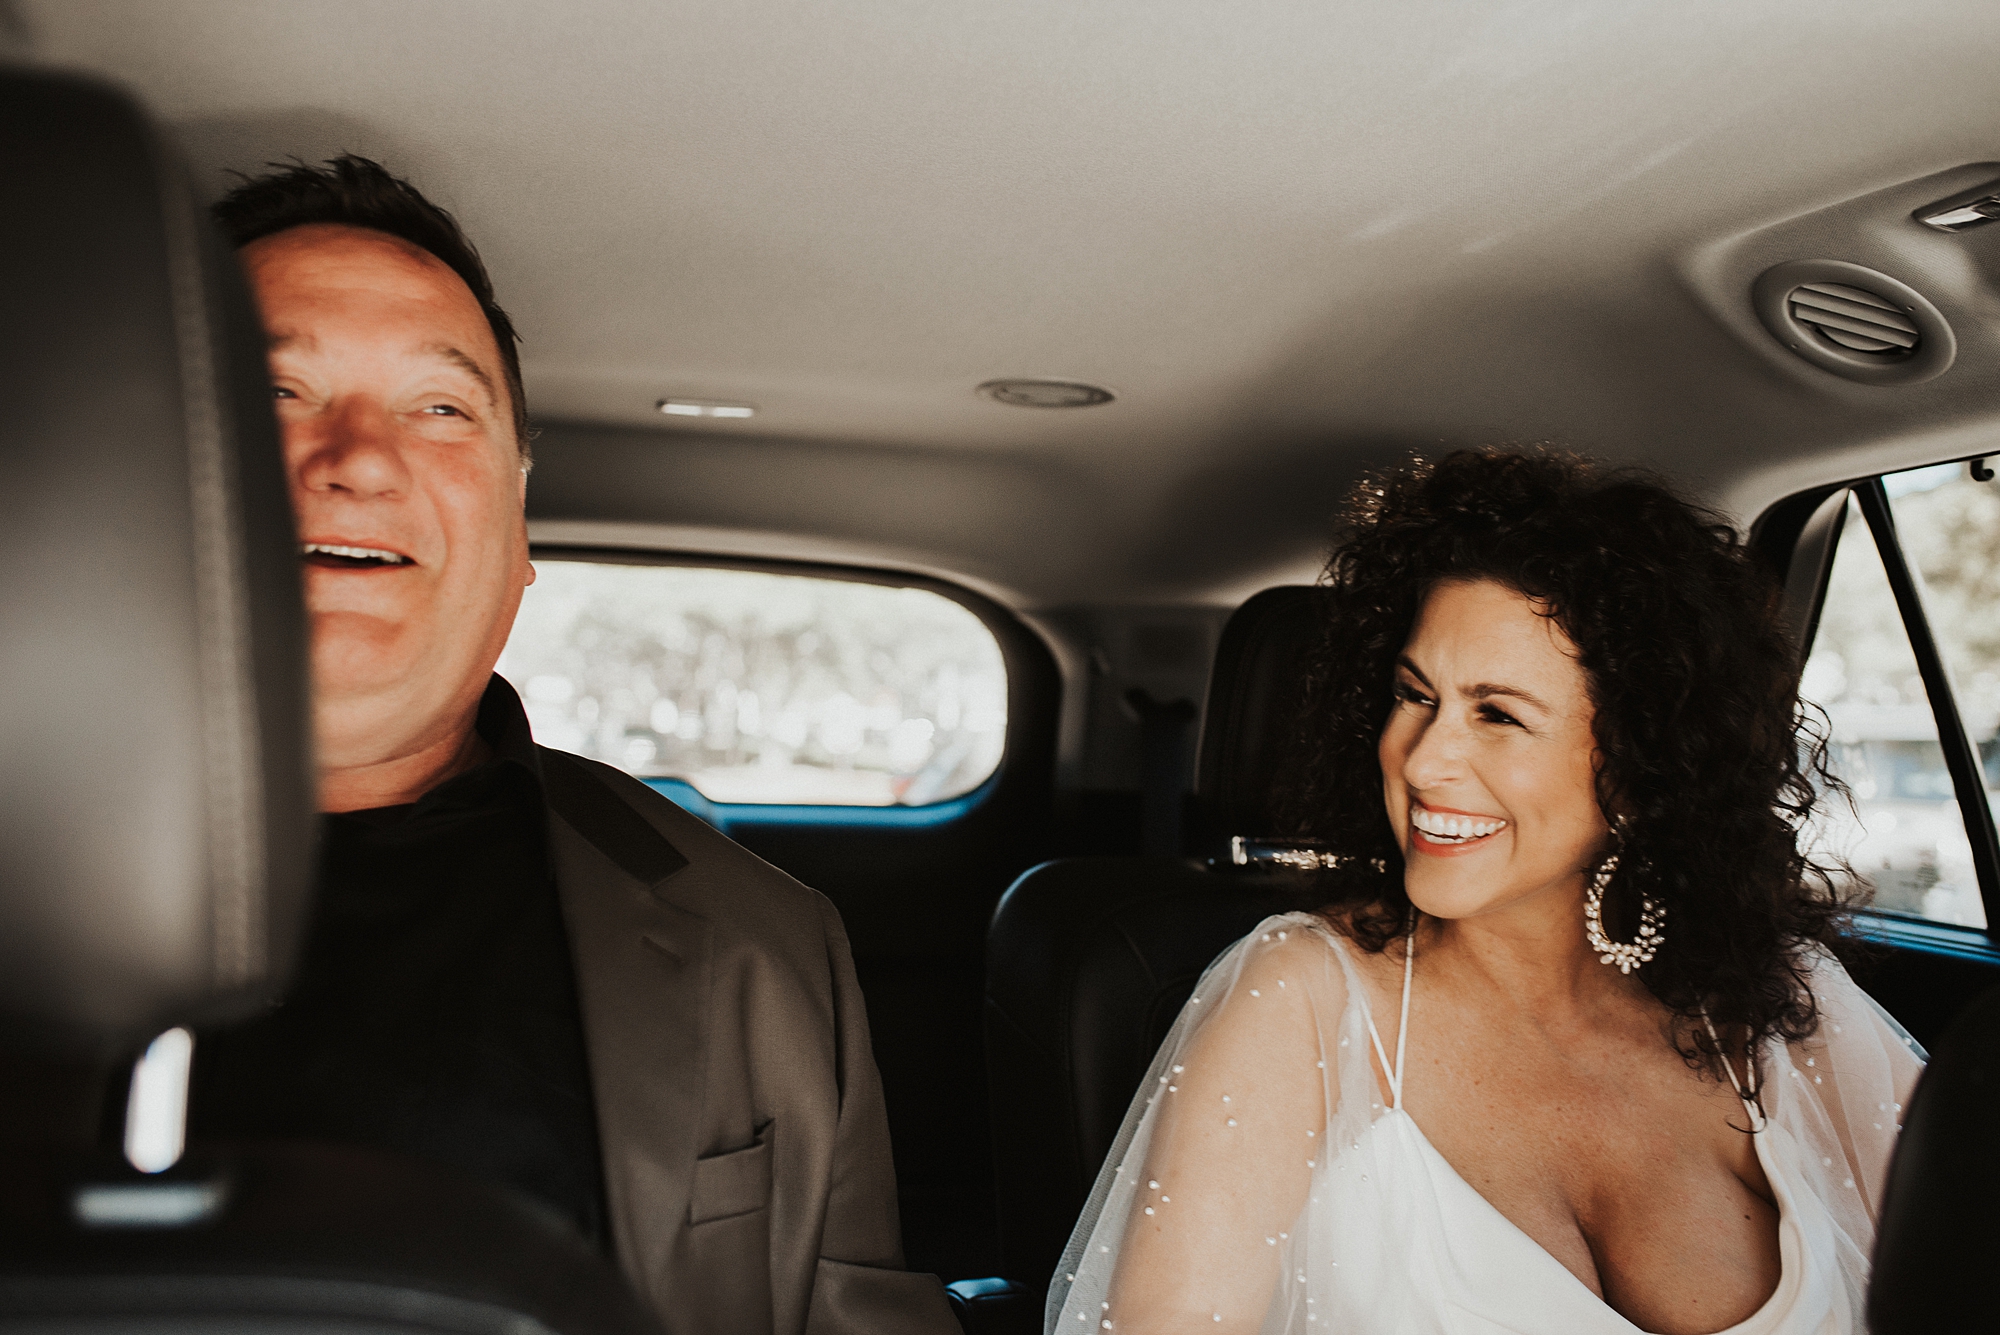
column 1493, row 715
column 443, row 410
column 280, row 392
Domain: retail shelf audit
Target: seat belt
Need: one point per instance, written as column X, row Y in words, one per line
column 1166, row 737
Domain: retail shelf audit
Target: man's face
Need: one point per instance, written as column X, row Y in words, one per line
column 406, row 477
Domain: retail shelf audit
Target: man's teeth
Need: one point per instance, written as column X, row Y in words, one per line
column 1454, row 829
column 352, row 553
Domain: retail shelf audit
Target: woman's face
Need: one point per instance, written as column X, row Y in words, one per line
column 1488, row 760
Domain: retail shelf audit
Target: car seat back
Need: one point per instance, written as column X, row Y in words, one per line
column 155, row 784
column 1089, row 960
column 1938, row 1229
column 156, row 794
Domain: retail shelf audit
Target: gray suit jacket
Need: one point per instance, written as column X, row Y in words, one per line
column 746, row 1151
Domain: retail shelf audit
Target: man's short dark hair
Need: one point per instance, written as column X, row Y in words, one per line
column 359, row 192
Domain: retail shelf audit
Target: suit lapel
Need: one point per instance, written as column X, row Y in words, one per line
column 643, row 978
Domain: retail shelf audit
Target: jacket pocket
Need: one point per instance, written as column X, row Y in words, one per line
column 733, row 1183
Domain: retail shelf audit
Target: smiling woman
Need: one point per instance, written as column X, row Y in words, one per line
column 1554, row 705
column 1625, row 617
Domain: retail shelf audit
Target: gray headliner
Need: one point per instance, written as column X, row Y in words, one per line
column 1297, row 238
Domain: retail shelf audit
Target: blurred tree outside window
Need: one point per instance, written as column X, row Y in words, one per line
column 1906, row 835
column 759, row 687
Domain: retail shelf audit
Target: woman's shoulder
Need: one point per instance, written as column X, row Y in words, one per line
column 1847, row 1015
column 1298, row 953
column 1293, row 939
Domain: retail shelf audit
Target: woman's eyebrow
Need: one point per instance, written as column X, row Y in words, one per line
column 1487, row 690
column 1403, row 662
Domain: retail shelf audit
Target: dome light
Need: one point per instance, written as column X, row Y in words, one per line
column 704, row 408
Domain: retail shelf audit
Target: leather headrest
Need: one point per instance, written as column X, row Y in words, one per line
column 1250, row 726
column 155, row 771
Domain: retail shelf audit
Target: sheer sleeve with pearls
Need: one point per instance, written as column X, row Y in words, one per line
column 1199, row 1218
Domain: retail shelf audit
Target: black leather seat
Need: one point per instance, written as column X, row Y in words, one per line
column 1940, row 1221
column 1089, row 960
column 156, row 793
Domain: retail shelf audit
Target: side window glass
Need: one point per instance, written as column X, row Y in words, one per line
column 1905, row 836
column 759, row 687
column 1949, row 521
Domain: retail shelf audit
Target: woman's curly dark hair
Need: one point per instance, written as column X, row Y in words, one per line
column 1707, row 754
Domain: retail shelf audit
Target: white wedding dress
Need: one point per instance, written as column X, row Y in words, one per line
column 1259, row 1183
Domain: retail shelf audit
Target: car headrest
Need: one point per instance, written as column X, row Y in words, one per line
column 155, row 768
column 1251, row 723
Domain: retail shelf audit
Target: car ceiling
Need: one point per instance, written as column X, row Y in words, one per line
column 1297, row 240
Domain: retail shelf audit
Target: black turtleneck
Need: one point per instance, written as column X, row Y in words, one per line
column 434, row 1011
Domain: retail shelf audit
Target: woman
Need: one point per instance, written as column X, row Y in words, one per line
column 1565, row 1047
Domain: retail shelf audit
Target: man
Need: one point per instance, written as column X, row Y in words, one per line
column 524, row 963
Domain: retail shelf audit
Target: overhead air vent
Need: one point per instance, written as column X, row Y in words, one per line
column 1855, row 319
column 1854, row 322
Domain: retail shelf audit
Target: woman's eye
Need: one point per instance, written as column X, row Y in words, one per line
column 280, row 392
column 1411, row 695
column 1493, row 715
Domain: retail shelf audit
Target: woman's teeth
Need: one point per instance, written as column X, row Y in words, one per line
column 1454, row 829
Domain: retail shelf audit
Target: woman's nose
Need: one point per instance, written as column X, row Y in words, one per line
column 1437, row 753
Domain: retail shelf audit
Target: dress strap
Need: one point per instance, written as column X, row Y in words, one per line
column 1395, row 1073
column 1748, row 1098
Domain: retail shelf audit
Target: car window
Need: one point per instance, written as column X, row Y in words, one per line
column 1949, row 524
column 1905, row 834
column 757, row 687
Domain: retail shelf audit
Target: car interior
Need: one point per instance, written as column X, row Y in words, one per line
column 941, row 414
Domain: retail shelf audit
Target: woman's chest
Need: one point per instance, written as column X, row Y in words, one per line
column 1638, row 1178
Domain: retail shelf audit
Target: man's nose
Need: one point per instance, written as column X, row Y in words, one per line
column 353, row 449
